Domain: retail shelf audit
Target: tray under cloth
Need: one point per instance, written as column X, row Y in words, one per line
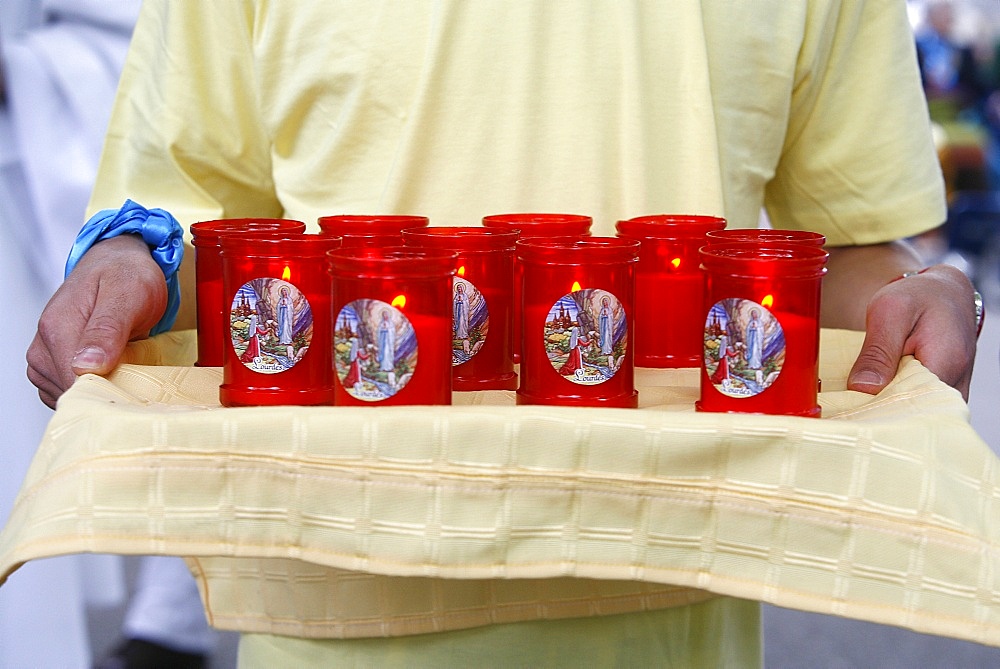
column 359, row 521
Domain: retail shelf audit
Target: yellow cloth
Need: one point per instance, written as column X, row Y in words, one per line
column 455, row 109
column 354, row 521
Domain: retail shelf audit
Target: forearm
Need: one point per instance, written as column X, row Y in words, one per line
column 855, row 274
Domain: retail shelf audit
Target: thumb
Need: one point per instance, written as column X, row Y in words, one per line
column 112, row 324
column 101, row 343
column 879, row 358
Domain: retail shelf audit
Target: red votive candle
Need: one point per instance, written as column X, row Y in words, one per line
column 669, row 287
column 759, row 235
column 279, row 321
column 761, row 337
column 392, row 325
column 531, row 226
column 482, row 308
column 577, row 336
column 212, row 315
column 373, row 230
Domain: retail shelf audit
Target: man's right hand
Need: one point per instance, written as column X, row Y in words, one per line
column 115, row 294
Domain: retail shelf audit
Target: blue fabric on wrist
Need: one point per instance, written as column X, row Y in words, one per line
column 159, row 230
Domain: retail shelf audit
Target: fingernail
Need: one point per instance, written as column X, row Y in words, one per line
column 89, row 358
column 867, row 378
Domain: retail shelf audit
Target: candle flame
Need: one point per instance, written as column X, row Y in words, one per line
column 461, row 270
column 576, row 287
column 767, row 301
column 676, row 262
column 399, row 301
column 286, row 274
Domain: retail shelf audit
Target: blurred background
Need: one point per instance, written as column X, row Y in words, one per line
column 958, row 44
column 60, row 62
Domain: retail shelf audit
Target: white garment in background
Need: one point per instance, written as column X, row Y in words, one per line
column 61, row 81
column 42, row 613
column 166, row 607
column 62, row 59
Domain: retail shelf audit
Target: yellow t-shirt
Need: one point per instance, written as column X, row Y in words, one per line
column 456, row 110
column 718, row 633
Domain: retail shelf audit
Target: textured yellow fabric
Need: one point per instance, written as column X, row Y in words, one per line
column 455, row 110
column 357, row 521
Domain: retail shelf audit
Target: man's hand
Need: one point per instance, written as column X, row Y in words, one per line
column 930, row 316
column 115, row 294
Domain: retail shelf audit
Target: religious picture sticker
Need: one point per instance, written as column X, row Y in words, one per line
column 585, row 336
column 470, row 320
column 744, row 347
column 271, row 325
column 375, row 349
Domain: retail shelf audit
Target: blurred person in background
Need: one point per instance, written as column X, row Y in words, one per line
column 948, row 68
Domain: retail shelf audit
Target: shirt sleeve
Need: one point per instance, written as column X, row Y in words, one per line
column 186, row 133
column 858, row 160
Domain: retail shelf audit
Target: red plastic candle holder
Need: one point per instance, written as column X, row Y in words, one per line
column 669, row 287
column 279, row 321
column 370, row 231
column 577, row 336
column 765, row 235
column 531, row 226
column 761, row 336
column 213, row 319
column 392, row 325
column 482, row 307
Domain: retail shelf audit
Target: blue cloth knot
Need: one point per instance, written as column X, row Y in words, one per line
column 158, row 228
